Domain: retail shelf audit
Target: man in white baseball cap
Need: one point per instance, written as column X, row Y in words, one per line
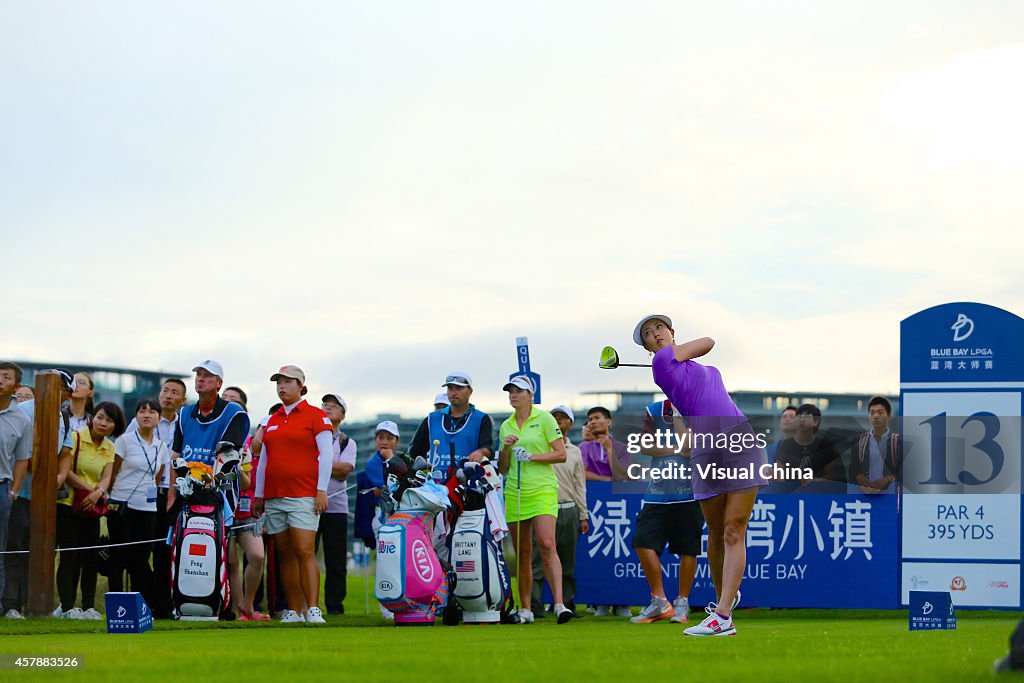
column 201, row 426
column 333, row 529
column 212, row 367
column 460, row 427
column 337, row 400
column 441, row 401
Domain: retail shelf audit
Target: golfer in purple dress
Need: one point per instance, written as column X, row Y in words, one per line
column 726, row 479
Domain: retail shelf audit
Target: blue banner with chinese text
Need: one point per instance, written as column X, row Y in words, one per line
column 803, row 550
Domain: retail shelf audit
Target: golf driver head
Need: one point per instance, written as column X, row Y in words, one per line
column 609, row 358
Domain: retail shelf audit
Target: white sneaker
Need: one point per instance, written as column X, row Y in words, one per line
column 386, row 613
column 713, row 625
column 712, row 606
column 525, row 616
column 73, row 613
column 591, row 609
column 58, row 612
column 92, row 614
column 13, row 614
column 603, row 611
column 315, row 616
column 623, row 611
column 563, row 613
column 682, row 608
column 292, row 617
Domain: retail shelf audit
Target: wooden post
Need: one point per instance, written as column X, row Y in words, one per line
column 43, row 540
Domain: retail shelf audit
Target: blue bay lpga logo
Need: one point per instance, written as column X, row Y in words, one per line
column 962, row 328
column 961, row 342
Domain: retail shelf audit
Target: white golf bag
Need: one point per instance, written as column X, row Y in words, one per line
column 482, row 583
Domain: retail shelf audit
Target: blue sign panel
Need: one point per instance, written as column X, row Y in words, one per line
column 932, row 611
column 127, row 613
column 962, row 342
column 961, row 394
column 803, row 550
column 523, row 356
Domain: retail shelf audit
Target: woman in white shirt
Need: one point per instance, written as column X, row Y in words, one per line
column 139, row 459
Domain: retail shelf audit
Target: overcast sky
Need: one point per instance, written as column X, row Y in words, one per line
column 383, row 192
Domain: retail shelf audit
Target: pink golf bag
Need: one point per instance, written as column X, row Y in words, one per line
column 410, row 581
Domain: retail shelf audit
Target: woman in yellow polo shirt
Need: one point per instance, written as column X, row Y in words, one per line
column 90, row 468
column 531, row 443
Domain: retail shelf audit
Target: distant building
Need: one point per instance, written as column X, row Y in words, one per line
column 123, row 386
column 764, row 407
column 843, row 415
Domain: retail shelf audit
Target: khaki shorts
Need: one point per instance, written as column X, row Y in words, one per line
column 279, row 514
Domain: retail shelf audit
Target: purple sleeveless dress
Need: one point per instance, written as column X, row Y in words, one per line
column 698, row 392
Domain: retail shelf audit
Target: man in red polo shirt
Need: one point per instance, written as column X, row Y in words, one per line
column 291, row 488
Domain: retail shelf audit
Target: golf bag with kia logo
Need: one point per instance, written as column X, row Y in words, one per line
column 410, row 581
column 199, row 567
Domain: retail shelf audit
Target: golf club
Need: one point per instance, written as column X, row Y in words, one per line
column 519, row 514
column 610, row 360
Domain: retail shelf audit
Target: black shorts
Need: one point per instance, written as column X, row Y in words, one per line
column 678, row 524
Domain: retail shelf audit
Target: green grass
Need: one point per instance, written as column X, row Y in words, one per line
column 772, row 645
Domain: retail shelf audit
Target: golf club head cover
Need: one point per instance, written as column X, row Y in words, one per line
column 227, row 458
column 223, row 447
column 397, row 466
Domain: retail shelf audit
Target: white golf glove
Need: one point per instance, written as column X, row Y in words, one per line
column 257, row 526
column 521, row 454
column 184, row 486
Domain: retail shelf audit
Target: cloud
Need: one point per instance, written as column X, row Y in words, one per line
column 380, row 197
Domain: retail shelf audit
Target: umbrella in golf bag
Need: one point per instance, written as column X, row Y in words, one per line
column 410, row 581
column 199, row 566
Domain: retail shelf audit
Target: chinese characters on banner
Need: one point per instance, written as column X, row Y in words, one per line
column 803, row 550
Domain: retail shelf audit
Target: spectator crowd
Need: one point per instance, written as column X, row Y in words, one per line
column 291, row 502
